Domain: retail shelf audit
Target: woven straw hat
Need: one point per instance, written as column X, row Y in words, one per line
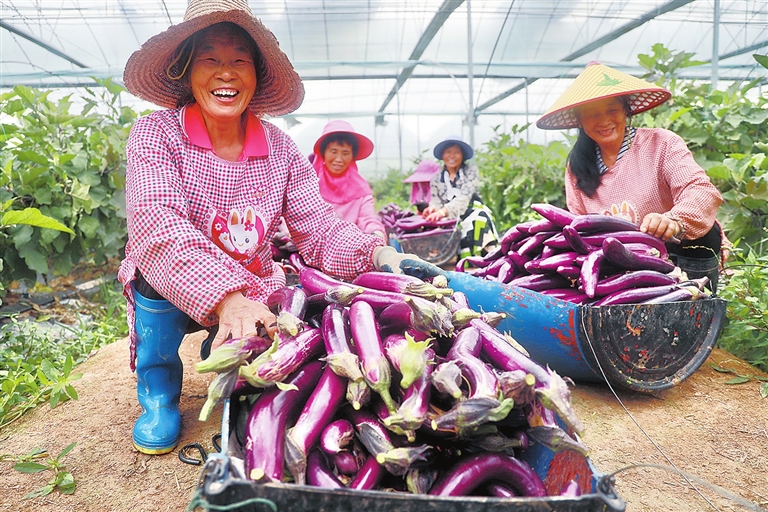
column 598, row 81
column 278, row 91
column 364, row 144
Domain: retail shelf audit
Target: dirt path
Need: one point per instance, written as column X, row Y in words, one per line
column 717, row 432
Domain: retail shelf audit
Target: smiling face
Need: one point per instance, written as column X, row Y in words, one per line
column 222, row 75
column 337, row 157
column 604, row 121
column 453, row 157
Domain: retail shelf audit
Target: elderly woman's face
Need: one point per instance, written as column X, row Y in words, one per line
column 222, row 76
column 337, row 157
column 604, row 121
column 453, row 157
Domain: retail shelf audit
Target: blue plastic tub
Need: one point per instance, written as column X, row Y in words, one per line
column 639, row 347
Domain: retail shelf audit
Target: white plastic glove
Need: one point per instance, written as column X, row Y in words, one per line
column 387, row 259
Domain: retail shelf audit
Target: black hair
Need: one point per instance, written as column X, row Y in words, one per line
column 340, row 138
column 582, row 160
column 179, row 66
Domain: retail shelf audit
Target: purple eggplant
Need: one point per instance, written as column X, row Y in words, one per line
column 499, row 491
column 465, row 351
column 594, row 223
column 554, row 214
column 284, row 357
column 538, row 282
column 292, row 299
column 542, row 225
column 316, row 281
column 550, row 388
column 576, row 241
column 683, row 293
column 466, row 416
column 569, row 271
column 590, row 272
column 551, row 263
column 221, row 387
column 400, row 283
column 476, row 470
column 365, row 333
column 615, row 252
column 320, row 407
column 628, row 237
column 534, row 244
column 413, row 409
column 369, row 475
column 340, row 356
column 633, row 279
column 421, row 480
column 420, row 314
column 345, row 462
column 318, row 473
column 378, row 441
column 336, row 436
column 233, row 353
column 635, row 295
column 265, row 428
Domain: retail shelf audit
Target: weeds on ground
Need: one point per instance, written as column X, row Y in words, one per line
column 37, row 362
column 62, row 479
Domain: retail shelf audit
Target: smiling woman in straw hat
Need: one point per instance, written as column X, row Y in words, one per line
column 646, row 175
column 207, row 183
column 335, row 157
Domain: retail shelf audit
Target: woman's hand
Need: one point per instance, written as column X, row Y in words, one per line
column 661, row 226
column 240, row 316
column 435, row 214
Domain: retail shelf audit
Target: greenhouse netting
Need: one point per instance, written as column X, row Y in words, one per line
column 406, row 72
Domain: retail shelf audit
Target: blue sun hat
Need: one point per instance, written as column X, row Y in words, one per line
column 455, row 140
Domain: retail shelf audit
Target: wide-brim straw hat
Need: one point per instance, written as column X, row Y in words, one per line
column 455, row 140
column 424, row 172
column 364, row 144
column 596, row 82
column 278, row 90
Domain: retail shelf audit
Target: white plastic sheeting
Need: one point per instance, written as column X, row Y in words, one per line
column 397, row 69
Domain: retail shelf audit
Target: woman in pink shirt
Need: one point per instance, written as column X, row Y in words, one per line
column 335, row 157
column 645, row 175
column 207, row 184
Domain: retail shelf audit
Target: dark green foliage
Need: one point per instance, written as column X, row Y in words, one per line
column 391, row 189
column 72, row 168
column 515, row 174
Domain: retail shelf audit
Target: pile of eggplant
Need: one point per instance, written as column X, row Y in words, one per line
column 405, row 224
column 592, row 259
column 391, row 383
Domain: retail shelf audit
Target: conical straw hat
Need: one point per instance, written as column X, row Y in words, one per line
column 279, row 89
column 598, row 81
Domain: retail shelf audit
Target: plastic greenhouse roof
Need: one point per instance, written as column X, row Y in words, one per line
column 399, row 70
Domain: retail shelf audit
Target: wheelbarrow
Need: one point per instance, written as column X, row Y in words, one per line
column 639, row 347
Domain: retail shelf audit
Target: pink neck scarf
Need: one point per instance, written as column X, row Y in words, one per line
column 340, row 189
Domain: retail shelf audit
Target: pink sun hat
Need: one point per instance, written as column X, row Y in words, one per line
column 424, row 172
column 364, row 144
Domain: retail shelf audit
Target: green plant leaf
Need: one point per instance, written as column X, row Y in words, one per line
column 29, row 467
column 738, row 380
column 764, row 390
column 33, row 217
column 66, row 450
column 761, row 59
column 67, row 485
column 43, row 491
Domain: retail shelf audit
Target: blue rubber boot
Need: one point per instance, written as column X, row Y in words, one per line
column 160, row 327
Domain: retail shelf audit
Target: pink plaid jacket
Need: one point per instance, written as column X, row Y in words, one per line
column 656, row 175
column 199, row 227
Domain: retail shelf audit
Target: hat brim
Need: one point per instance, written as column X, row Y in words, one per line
column 279, row 89
column 364, row 144
column 466, row 150
column 598, row 82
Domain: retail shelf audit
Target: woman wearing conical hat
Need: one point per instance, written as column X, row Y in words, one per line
column 646, row 175
column 207, row 183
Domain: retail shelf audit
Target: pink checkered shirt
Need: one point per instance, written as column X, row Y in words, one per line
column 656, row 175
column 185, row 207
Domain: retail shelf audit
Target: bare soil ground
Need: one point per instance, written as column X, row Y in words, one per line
column 716, row 432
